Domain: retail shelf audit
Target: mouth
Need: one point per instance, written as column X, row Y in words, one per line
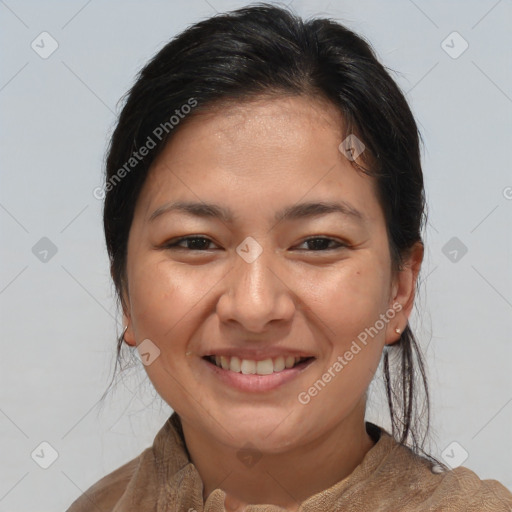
column 262, row 367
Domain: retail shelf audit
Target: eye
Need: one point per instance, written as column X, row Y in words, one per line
column 194, row 243
column 321, row 243
column 200, row 243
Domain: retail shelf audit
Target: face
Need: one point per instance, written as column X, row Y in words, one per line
column 258, row 287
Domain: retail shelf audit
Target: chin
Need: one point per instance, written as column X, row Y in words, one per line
column 269, row 430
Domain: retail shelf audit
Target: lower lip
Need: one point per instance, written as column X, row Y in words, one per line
column 258, row 383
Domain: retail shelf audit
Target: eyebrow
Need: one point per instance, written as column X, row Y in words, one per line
column 294, row 212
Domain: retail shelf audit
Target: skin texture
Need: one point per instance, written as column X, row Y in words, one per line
column 256, row 158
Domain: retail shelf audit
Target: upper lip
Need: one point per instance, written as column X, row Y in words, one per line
column 257, row 354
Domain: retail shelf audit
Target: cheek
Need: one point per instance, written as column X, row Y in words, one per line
column 350, row 304
column 349, row 299
column 169, row 301
column 159, row 297
column 165, row 304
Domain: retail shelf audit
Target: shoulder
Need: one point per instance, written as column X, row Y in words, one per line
column 462, row 487
column 418, row 483
column 130, row 486
column 105, row 493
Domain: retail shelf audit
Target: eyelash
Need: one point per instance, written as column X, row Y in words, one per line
column 173, row 244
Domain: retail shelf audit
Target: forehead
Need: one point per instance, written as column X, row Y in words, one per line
column 265, row 125
column 279, row 150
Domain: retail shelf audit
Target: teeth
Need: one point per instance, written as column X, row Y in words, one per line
column 235, row 365
column 289, row 361
column 265, row 367
column 224, row 361
column 279, row 364
column 250, row 367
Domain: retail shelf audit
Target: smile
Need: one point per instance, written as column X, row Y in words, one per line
column 253, row 367
column 257, row 376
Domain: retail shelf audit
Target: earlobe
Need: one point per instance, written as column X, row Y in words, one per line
column 393, row 334
column 128, row 337
column 404, row 291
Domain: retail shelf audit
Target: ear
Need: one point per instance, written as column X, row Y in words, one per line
column 403, row 292
column 129, row 337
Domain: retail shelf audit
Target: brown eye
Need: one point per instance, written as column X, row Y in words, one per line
column 322, row 244
column 193, row 243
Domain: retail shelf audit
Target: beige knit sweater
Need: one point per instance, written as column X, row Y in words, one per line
column 390, row 478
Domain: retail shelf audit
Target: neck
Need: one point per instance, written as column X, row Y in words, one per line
column 285, row 479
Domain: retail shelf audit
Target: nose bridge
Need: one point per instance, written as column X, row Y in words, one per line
column 255, row 295
column 255, row 279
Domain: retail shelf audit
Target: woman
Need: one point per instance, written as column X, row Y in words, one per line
column 264, row 203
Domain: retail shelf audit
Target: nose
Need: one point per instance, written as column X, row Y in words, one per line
column 256, row 294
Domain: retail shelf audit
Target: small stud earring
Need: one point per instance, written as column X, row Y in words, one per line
column 124, row 332
column 397, row 330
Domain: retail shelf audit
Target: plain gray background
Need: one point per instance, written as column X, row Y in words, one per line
column 58, row 317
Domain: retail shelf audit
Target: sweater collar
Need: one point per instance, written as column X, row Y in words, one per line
column 181, row 487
